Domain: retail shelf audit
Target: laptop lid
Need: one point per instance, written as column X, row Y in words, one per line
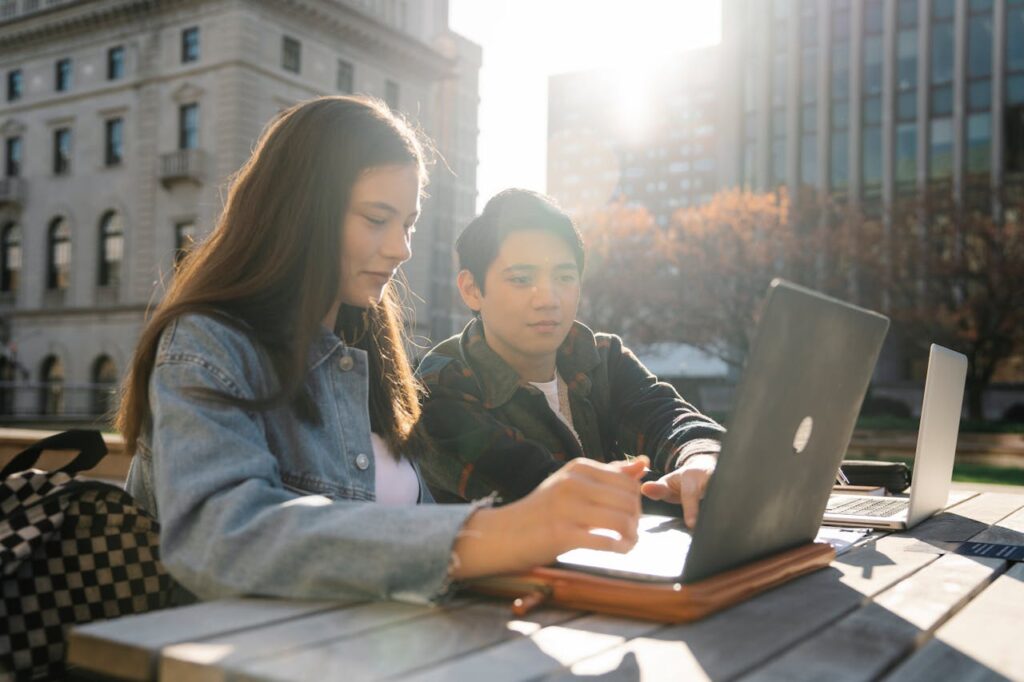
column 937, row 433
column 795, row 409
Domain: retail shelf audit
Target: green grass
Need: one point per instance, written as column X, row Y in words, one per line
column 966, row 425
column 910, row 424
column 970, row 472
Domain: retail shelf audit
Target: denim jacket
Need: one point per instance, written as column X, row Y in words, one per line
column 264, row 503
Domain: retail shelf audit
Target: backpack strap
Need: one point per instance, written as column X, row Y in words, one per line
column 89, row 444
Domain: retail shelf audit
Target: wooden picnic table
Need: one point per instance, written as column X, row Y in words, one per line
column 897, row 606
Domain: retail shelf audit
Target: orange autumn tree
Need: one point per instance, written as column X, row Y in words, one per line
column 951, row 276
column 625, row 288
column 724, row 255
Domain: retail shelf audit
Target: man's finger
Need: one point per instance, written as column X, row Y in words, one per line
column 689, row 494
column 659, row 490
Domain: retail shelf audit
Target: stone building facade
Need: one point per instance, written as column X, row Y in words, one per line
column 122, row 122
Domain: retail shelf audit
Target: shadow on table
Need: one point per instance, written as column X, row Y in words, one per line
column 818, row 625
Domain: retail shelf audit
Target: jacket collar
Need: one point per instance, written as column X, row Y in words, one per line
column 498, row 381
column 325, row 345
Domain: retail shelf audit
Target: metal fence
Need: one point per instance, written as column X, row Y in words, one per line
column 55, row 401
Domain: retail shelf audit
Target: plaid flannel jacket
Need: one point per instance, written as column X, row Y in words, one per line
column 495, row 433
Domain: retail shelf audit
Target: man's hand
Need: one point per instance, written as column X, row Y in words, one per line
column 685, row 485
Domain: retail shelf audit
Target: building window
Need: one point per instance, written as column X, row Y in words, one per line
column 779, row 81
column 291, row 54
column 62, row 151
column 115, row 63
column 114, row 146
column 809, row 92
column 62, row 75
column 906, row 154
column 979, row 143
column 184, row 239
column 940, row 151
column 840, row 96
column 104, row 386
column 871, row 100
column 188, row 126
column 190, row 45
column 14, row 85
column 391, row 94
column 346, row 77
column 1014, row 109
column 979, row 91
column 10, row 258
column 12, row 157
column 111, row 249
column 51, row 394
column 58, row 255
column 940, row 127
column 906, row 96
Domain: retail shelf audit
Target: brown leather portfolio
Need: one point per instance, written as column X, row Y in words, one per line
column 667, row 602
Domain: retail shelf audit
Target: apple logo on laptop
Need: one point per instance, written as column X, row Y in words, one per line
column 803, row 434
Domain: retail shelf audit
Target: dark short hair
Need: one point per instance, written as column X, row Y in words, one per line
column 508, row 211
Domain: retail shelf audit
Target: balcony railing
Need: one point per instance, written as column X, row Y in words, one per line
column 41, row 401
column 188, row 165
column 12, row 191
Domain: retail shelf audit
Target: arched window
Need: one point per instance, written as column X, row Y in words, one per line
column 58, row 254
column 104, row 385
column 7, row 385
column 10, row 257
column 51, row 395
column 111, row 249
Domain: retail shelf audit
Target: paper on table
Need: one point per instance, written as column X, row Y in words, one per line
column 841, row 539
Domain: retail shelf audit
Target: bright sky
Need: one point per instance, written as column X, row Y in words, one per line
column 525, row 41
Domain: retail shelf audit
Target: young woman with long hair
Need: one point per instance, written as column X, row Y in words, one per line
column 271, row 407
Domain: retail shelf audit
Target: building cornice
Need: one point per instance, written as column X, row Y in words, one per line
column 348, row 25
column 73, row 18
column 344, row 23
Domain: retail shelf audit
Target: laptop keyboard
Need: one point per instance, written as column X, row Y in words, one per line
column 866, row 505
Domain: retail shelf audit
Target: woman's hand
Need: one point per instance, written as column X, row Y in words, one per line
column 559, row 515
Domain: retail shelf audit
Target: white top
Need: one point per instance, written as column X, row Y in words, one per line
column 555, row 391
column 550, row 391
column 395, row 481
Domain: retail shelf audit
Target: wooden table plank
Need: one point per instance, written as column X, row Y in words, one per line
column 129, row 647
column 735, row 640
column 979, row 513
column 209, row 659
column 981, row 642
column 402, row 647
column 543, row 652
column 772, row 623
column 869, row 641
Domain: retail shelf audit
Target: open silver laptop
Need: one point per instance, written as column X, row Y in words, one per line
column 795, row 409
column 933, row 460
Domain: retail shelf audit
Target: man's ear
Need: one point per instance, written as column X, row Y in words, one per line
column 470, row 292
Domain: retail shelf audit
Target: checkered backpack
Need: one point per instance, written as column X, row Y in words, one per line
column 71, row 551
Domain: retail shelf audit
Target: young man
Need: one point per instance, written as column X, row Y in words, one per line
column 525, row 387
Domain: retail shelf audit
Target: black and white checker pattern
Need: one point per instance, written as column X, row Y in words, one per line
column 71, row 552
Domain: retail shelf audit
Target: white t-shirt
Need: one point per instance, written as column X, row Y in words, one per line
column 394, row 480
column 550, row 391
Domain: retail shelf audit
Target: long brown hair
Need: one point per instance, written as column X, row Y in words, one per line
column 271, row 265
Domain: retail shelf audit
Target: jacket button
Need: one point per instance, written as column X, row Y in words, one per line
column 362, row 461
column 346, row 363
